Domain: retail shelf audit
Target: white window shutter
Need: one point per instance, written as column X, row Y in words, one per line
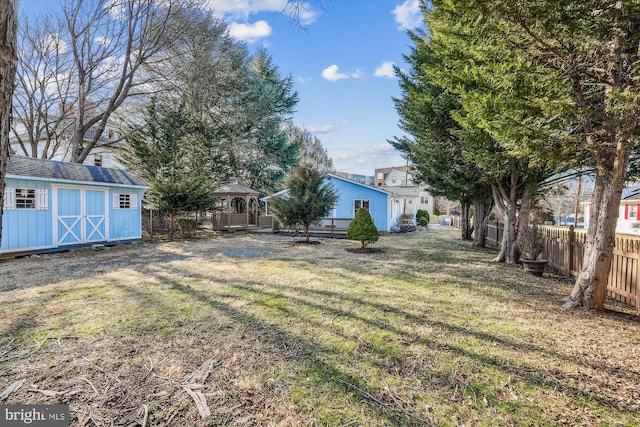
column 134, row 201
column 116, row 201
column 9, row 198
column 42, row 200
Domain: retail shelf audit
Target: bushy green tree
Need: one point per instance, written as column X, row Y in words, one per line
column 309, row 199
column 362, row 228
column 174, row 155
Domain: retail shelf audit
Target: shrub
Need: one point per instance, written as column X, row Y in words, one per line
column 423, row 221
column 188, row 227
column 423, row 214
column 362, row 228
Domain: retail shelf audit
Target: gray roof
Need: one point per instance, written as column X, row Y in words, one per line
column 234, row 189
column 52, row 169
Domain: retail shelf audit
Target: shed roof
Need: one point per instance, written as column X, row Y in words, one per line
column 53, row 169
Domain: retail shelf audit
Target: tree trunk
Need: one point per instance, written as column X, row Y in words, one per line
column 172, row 224
column 506, row 201
column 481, row 213
column 523, row 218
column 465, row 221
column 590, row 288
column 8, row 63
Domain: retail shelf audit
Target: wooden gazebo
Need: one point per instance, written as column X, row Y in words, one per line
column 237, row 208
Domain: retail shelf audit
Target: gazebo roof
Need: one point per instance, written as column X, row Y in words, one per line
column 235, row 189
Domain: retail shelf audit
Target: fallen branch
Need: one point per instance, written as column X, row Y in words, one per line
column 12, row 388
column 200, row 401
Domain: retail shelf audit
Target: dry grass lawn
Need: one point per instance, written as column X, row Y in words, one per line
column 261, row 330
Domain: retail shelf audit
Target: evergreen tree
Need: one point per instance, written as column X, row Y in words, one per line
column 173, row 155
column 576, row 63
column 363, row 229
column 309, row 199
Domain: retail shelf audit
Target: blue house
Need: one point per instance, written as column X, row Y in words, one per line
column 51, row 205
column 353, row 195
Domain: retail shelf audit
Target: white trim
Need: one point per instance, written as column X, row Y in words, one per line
column 42, row 199
column 86, row 221
column 29, row 249
column 72, row 183
column 9, row 198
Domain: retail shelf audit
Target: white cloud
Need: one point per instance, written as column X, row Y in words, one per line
column 408, row 15
column 333, row 74
column 319, row 129
column 385, row 70
column 250, row 32
column 367, row 159
column 53, row 44
column 242, row 9
column 103, row 40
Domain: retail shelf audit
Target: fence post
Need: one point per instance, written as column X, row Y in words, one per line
column 572, row 244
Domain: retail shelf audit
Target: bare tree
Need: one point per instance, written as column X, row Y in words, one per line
column 111, row 42
column 8, row 58
column 42, row 86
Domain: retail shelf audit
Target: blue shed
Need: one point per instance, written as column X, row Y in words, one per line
column 51, row 205
column 354, row 195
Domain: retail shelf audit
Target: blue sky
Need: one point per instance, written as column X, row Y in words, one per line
column 340, row 62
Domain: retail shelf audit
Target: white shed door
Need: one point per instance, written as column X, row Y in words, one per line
column 80, row 215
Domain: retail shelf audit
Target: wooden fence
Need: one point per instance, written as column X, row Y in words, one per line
column 564, row 248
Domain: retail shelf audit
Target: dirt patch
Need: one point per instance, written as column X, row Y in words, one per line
column 364, row 250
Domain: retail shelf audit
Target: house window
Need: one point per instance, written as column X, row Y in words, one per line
column 25, row 198
column 357, row 204
column 424, row 200
column 97, row 160
column 125, row 201
column 393, row 179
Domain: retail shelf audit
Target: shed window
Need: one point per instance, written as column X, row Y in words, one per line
column 25, row 198
column 357, row 204
column 125, row 201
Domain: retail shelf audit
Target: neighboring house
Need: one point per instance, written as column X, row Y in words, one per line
column 104, row 154
column 629, row 211
column 51, row 205
column 352, row 196
column 409, row 196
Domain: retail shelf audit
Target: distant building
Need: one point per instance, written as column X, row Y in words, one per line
column 103, row 155
column 408, row 195
column 362, row 179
